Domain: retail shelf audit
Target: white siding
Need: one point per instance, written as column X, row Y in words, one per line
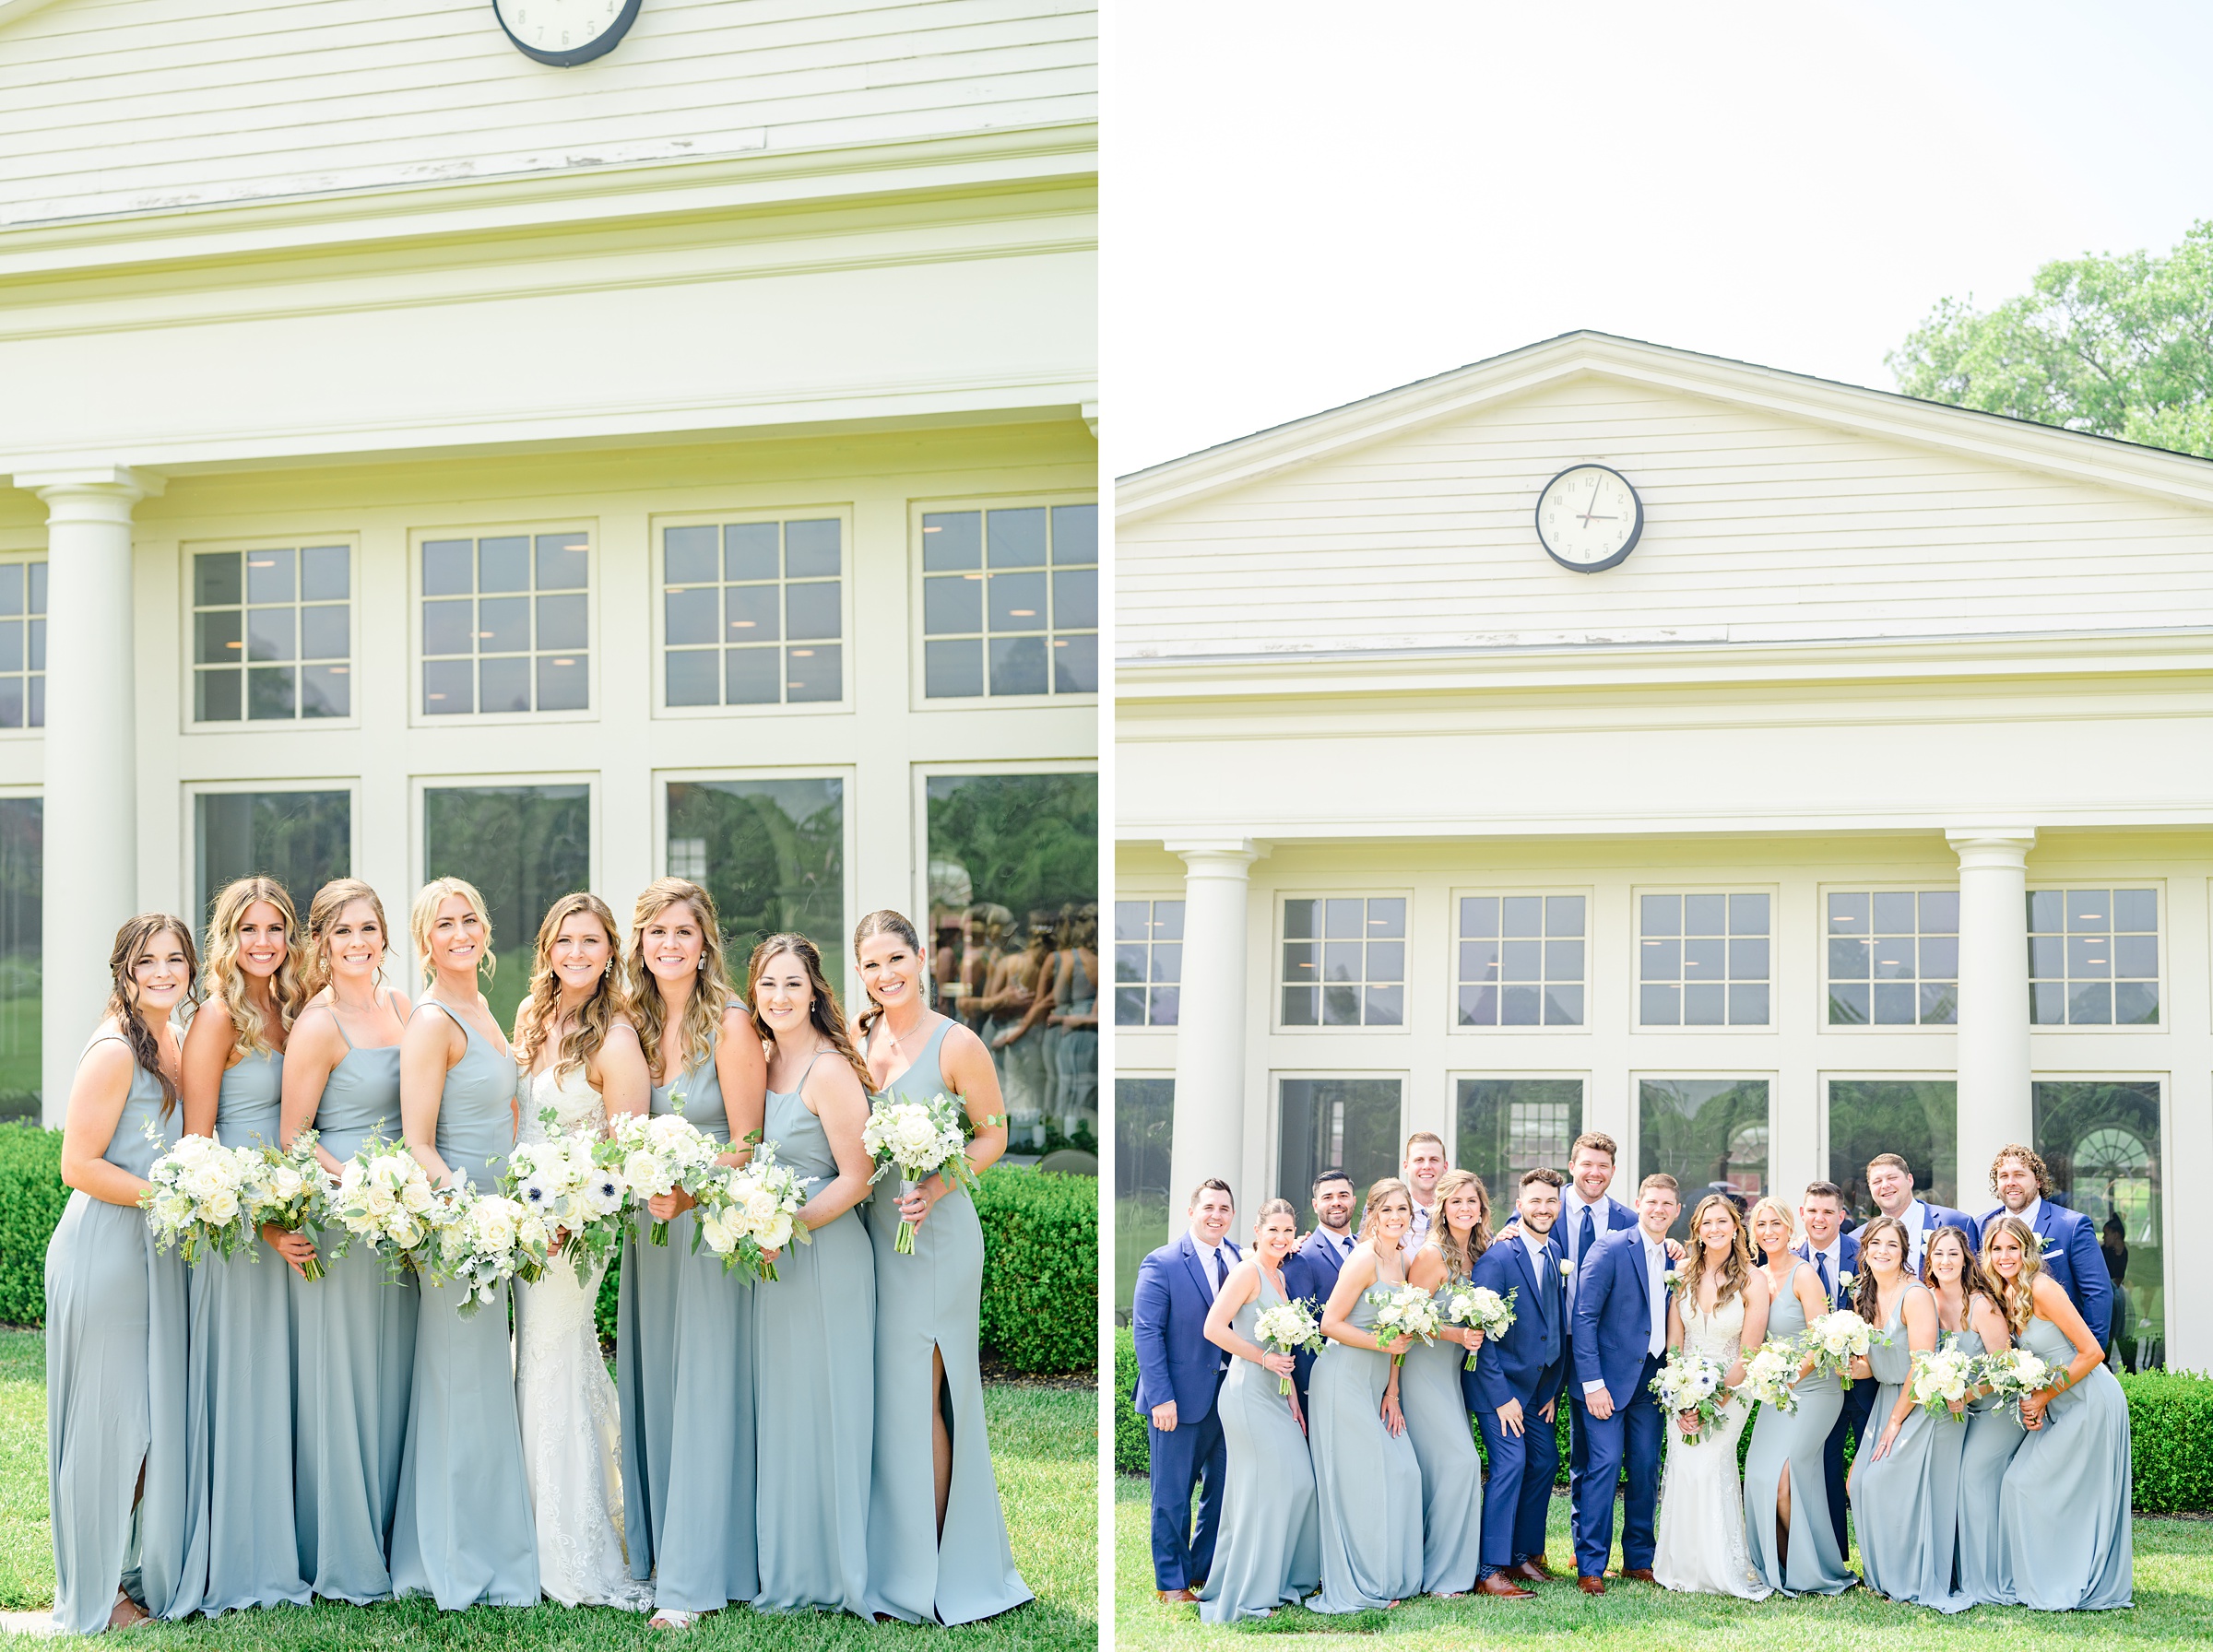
column 117, row 105
column 1756, row 529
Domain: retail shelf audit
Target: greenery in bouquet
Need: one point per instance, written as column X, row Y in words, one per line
column 289, row 1190
column 196, row 1203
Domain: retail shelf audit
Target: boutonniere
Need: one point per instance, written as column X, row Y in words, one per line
column 1567, row 1269
column 1673, row 1279
column 1846, row 1281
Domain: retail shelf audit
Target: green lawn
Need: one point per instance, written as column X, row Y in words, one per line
column 1045, row 1448
column 2174, row 1607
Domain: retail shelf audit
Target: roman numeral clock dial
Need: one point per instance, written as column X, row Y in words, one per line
column 1589, row 518
column 565, row 32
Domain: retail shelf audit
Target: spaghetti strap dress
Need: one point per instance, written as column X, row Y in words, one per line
column 1367, row 1480
column 684, row 1381
column 814, row 1405
column 1436, row 1408
column 1905, row 1507
column 1270, row 1550
column 463, row 1532
column 2063, row 1537
column 1994, row 1434
column 933, row 1298
column 1794, row 1445
column 357, row 1361
column 240, row 1531
column 115, row 1357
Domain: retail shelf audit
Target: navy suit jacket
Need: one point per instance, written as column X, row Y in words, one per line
column 1612, row 1217
column 1311, row 1271
column 1167, row 1321
column 1943, row 1216
column 2072, row 1257
column 1614, row 1315
column 1515, row 1368
column 1848, row 1249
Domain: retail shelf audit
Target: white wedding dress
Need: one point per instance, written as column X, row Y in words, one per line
column 572, row 1439
column 1702, row 1541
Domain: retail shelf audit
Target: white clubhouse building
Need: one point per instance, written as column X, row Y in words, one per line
column 1864, row 805
column 416, row 456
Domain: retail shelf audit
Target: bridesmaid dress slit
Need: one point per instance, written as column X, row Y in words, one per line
column 1800, row 1556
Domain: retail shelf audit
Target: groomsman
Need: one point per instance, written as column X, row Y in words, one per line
column 1588, row 1213
column 1835, row 1256
column 1515, row 1385
column 1423, row 1163
column 1311, row 1271
column 2023, row 1184
column 1890, row 1185
column 1620, row 1343
column 1179, row 1374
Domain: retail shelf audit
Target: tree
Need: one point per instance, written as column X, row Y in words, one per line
column 2116, row 345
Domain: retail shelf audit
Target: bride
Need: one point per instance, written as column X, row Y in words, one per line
column 581, row 1060
column 1721, row 1311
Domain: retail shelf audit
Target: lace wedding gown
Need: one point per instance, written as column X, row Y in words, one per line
column 565, row 1400
column 1701, row 1546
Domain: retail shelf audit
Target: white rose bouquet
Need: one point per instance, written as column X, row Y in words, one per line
column 384, row 1199
column 197, row 1202
column 1691, row 1382
column 573, row 1183
column 483, row 1240
column 1771, row 1373
column 1941, row 1379
column 1404, row 1310
column 2014, row 1373
column 289, row 1190
column 1287, row 1328
column 1835, row 1340
column 748, row 1213
column 922, row 1139
column 1479, row 1308
column 659, row 1152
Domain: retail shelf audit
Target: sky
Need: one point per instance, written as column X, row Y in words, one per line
column 1305, row 204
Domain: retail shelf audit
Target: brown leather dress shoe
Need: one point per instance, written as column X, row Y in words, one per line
column 1638, row 1573
column 1504, row 1588
column 1176, row 1596
column 1534, row 1570
column 1590, row 1584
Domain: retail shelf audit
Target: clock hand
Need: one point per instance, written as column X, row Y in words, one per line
column 1592, row 501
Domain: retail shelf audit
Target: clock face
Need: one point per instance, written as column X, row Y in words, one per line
column 565, row 32
column 1588, row 517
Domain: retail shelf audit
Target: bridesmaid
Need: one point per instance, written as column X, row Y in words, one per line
column 1426, row 1390
column 355, row 1330
column 1968, row 1310
column 239, row 1534
column 932, row 1479
column 462, row 1531
column 1794, row 1557
column 684, row 1329
column 1905, row 1490
column 115, row 1310
column 1365, row 1478
column 814, row 1410
column 1270, row 1550
column 2064, row 1541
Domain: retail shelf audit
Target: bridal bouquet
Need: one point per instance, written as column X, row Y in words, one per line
column 1835, row 1340
column 1480, row 1308
column 197, row 1202
column 1691, row 1382
column 1771, row 1374
column 573, row 1184
column 1941, row 1378
column 1404, row 1310
column 2014, row 1373
column 748, row 1213
column 384, row 1199
column 922, row 1139
column 289, row 1189
column 659, row 1152
column 1287, row 1327
column 483, row 1240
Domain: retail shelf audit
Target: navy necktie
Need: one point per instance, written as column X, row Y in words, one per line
column 1220, row 1270
column 1585, row 1237
column 1821, row 1267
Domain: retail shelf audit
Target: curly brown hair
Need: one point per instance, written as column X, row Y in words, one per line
column 711, row 994
column 1459, row 1259
column 825, row 1013
column 1736, row 1270
column 2029, row 1156
column 123, row 996
column 540, row 1009
column 1973, row 1280
column 1865, row 1297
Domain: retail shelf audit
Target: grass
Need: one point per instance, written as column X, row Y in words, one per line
column 1045, row 1449
column 2174, row 1608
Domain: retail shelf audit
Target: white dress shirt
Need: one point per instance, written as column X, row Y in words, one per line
column 1913, row 1215
column 2028, row 1211
column 1570, row 1227
column 1207, row 1255
column 1656, row 1279
column 1417, row 1231
column 1834, row 1251
column 1342, row 1243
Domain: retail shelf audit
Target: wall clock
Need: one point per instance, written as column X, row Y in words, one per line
column 565, row 32
column 1588, row 517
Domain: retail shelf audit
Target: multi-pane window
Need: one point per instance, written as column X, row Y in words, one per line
column 1522, row 960
column 1703, row 961
column 771, row 852
column 1504, row 1127
column 753, row 612
column 1894, row 958
column 1148, row 963
column 524, row 847
column 22, row 935
column 301, row 839
column 1709, row 1134
column 22, row 645
column 1344, row 961
column 2094, row 957
column 1335, row 1124
column 1011, row 601
column 1916, row 1119
column 2101, row 1138
column 506, row 623
column 1145, row 1130
column 272, row 634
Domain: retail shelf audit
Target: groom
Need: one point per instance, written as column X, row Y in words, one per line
column 1620, row 1340
column 1514, row 1387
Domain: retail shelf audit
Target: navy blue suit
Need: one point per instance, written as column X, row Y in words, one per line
column 1309, row 1275
column 1612, row 1345
column 1609, row 1215
column 2072, row 1257
column 1175, row 1361
column 1943, row 1216
column 1526, row 1365
column 1859, row 1399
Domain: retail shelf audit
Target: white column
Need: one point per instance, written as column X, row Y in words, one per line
column 91, row 834
column 1209, row 1138
column 1994, row 1000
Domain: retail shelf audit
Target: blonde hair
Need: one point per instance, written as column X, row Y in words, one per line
column 1459, row 1259
column 249, row 1031
column 824, row 1014
column 420, row 921
column 1735, row 1269
column 2016, row 1297
column 711, row 992
column 1377, row 1195
column 123, row 995
column 1790, row 1222
column 541, row 1007
column 328, row 906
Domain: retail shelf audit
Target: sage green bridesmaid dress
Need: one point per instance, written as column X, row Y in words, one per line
column 1367, row 1480
column 1270, row 1552
column 464, row 1533
column 115, row 1358
column 357, row 1362
column 1794, row 1445
column 1994, row 1434
column 684, row 1380
column 814, row 1408
column 1905, row 1507
column 2063, row 1540
column 933, row 1298
column 238, row 1391
column 1436, row 1408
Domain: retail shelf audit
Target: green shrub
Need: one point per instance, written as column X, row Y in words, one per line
column 2171, row 1441
column 31, row 1196
column 1041, row 1269
column 1133, row 1444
